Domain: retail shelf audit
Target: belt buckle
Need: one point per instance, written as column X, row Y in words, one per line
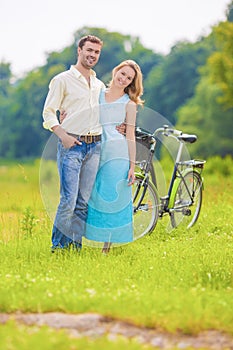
column 88, row 139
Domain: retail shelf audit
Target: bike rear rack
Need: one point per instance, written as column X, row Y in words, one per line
column 192, row 163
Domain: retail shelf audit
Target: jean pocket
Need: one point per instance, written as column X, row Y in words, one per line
column 61, row 149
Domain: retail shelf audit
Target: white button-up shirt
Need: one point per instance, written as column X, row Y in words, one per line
column 70, row 91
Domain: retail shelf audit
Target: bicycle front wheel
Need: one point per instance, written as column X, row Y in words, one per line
column 146, row 207
column 188, row 200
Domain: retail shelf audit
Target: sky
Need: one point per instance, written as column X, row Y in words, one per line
column 30, row 29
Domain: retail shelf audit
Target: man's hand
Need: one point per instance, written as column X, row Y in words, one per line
column 69, row 141
column 121, row 128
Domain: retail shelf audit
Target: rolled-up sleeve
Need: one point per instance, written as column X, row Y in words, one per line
column 53, row 103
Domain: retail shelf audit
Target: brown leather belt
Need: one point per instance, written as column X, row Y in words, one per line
column 87, row 138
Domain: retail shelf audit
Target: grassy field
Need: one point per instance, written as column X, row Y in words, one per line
column 177, row 281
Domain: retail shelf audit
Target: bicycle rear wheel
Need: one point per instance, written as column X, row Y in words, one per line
column 188, row 200
column 146, row 207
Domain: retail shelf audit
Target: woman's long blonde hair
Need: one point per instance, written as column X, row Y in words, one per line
column 135, row 88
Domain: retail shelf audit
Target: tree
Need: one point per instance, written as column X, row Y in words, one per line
column 209, row 112
column 221, row 63
column 206, row 118
column 170, row 82
column 5, row 77
column 229, row 12
column 173, row 82
column 21, row 132
column 7, row 106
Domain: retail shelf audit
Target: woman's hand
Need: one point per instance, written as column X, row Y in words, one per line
column 121, row 128
column 62, row 116
column 131, row 177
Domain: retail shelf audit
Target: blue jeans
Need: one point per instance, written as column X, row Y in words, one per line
column 77, row 168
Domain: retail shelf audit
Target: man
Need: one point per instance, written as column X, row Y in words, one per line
column 77, row 92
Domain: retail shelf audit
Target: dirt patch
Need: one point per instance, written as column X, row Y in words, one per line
column 94, row 325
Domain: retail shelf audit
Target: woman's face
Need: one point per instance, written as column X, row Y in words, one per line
column 124, row 76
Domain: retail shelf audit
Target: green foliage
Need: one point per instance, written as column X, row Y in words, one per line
column 173, row 82
column 203, row 116
column 229, row 12
column 220, row 166
column 5, row 76
column 209, row 112
column 221, row 63
column 28, row 222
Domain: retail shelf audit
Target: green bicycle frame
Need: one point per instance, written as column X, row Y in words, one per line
column 176, row 184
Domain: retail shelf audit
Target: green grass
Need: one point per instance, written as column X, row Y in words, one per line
column 21, row 337
column 174, row 281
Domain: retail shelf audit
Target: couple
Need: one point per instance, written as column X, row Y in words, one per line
column 95, row 206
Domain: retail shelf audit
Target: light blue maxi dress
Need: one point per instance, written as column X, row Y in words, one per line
column 110, row 208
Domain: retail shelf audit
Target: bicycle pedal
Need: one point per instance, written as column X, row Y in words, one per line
column 186, row 212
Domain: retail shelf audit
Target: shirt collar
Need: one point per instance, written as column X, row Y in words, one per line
column 79, row 75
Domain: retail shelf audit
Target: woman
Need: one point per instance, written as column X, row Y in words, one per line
column 110, row 209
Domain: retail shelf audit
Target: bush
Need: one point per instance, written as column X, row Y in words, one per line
column 218, row 165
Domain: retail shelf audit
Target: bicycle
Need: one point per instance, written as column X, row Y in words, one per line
column 184, row 197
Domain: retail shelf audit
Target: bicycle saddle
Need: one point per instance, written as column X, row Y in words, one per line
column 187, row 138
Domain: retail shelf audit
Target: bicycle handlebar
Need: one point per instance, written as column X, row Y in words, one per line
column 177, row 134
column 165, row 130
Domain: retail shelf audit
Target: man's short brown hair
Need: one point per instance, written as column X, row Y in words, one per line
column 92, row 38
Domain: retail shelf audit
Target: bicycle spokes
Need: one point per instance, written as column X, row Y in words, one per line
column 146, row 203
column 187, row 201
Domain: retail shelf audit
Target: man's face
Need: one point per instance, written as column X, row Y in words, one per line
column 89, row 54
